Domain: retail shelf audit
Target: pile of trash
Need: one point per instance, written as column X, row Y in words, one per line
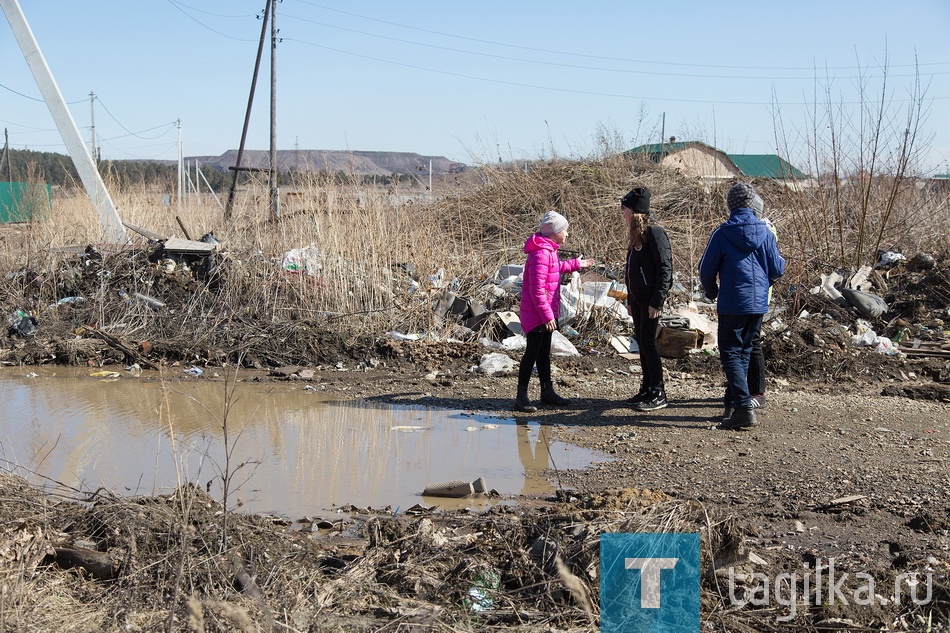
column 171, row 290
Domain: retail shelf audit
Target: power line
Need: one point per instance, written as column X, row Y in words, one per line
column 130, row 132
column 555, row 89
column 596, row 68
column 601, row 57
column 39, row 99
column 179, row 6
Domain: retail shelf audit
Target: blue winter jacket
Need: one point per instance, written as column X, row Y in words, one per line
column 743, row 253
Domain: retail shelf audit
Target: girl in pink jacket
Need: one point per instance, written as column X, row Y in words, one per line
column 540, row 303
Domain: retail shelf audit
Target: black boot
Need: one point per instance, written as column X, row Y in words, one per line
column 549, row 396
column 521, row 401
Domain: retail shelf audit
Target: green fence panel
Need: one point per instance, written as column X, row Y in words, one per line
column 21, row 201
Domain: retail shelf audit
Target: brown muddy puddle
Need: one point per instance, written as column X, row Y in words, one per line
column 292, row 452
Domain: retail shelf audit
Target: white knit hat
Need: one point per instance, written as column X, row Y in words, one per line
column 553, row 222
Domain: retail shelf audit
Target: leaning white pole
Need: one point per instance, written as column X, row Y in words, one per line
column 96, row 189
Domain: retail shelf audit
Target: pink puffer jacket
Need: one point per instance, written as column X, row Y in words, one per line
column 540, row 287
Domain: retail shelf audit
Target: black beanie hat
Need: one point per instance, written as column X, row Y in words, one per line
column 637, row 200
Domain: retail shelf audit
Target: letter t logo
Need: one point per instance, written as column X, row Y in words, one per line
column 649, row 578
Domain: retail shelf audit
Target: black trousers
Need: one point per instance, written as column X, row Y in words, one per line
column 538, row 352
column 644, row 331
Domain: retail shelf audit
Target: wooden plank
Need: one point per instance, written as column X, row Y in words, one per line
column 152, row 235
column 845, row 500
column 934, row 353
column 179, row 245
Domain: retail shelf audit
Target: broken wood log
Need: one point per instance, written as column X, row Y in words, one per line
column 182, row 225
column 116, row 343
column 99, row 564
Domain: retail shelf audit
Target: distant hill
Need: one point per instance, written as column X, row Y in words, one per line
column 350, row 162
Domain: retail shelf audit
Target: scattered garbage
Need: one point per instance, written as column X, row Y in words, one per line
column 480, row 594
column 151, row 302
column 868, row 304
column 560, row 346
column 496, row 363
column 921, row 262
column 194, row 371
column 23, row 324
column 828, row 285
column 104, row 374
column 867, row 337
column 302, row 260
column 456, row 489
column 67, row 300
column 889, row 258
column 676, row 339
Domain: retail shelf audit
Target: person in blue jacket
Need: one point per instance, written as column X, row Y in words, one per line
column 739, row 266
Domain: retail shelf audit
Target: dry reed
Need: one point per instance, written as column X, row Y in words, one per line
column 382, row 257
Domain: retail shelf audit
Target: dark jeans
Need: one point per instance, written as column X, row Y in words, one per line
column 756, row 378
column 736, row 333
column 538, row 352
column 644, row 331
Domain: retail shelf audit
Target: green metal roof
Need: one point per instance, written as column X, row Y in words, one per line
column 750, row 165
column 765, row 166
column 659, row 148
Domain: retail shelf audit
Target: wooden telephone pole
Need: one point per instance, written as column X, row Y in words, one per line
column 270, row 14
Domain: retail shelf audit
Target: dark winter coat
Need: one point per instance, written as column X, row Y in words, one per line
column 743, row 253
column 649, row 271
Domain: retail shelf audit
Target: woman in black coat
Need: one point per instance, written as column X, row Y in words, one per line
column 649, row 276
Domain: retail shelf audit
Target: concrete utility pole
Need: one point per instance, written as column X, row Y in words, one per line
column 92, row 127
column 109, row 219
column 181, row 169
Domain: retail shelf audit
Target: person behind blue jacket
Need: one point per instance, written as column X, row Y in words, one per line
column 743, row 254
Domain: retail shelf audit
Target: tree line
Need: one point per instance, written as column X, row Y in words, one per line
column 58, row 170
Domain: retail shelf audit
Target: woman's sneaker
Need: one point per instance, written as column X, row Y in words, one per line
column 642, row 396
column 758, row 401
column 657, row 400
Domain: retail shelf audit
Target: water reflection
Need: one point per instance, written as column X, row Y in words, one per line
column 292, row 453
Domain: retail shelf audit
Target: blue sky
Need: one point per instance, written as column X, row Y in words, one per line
column 471, row 81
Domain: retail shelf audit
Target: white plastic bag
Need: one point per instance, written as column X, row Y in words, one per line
column 560, row 346
column 496, row 363
column 302, row 260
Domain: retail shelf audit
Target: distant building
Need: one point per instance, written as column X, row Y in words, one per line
column 705, row 161
column 938, row 183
